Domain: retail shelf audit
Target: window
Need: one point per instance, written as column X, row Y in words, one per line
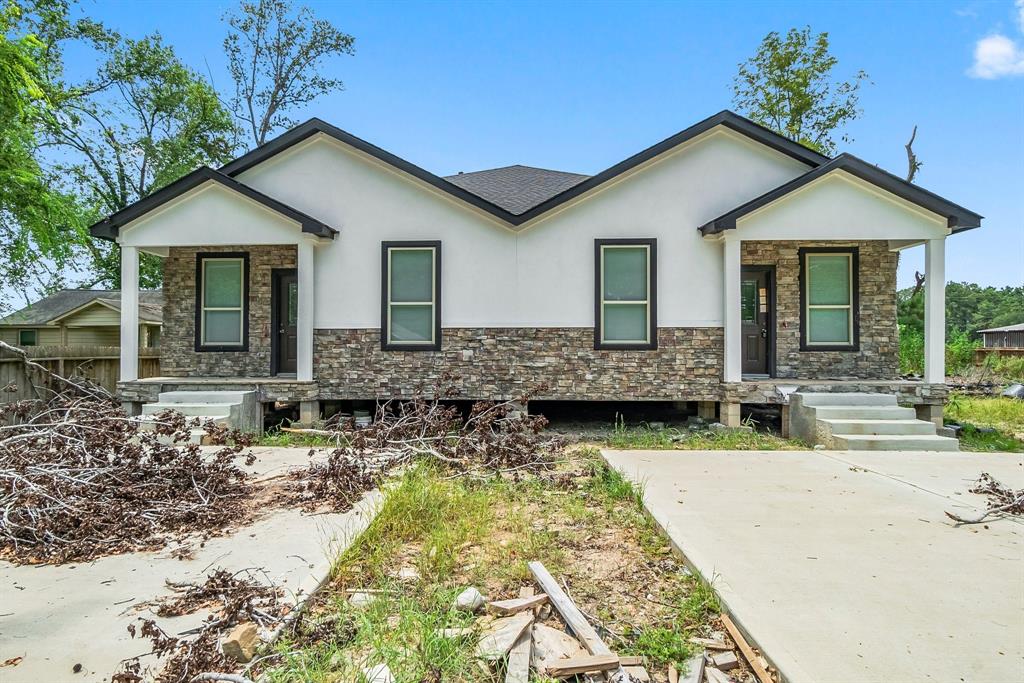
column 27, row 338
column 411, row 296
column 625, row 294
column 828, row 320
column 222, row 321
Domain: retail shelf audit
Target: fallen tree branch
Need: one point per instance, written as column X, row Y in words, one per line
column 211, row 676
column 1002, row 500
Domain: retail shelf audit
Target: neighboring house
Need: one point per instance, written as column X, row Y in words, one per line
column 725, row 264
column 81, row 317
column 1008, row 337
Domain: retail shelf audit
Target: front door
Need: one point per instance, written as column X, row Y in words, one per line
column 756, row 319
column 285, row 303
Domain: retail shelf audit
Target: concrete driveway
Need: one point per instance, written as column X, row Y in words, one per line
column 842, row 566
column 55, row 617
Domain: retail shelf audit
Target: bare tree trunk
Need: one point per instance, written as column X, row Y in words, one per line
column 912, row 162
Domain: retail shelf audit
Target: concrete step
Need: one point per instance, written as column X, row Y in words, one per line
column 189, row 409
column 895, row 427
column 892, row 442
column 845, row 412
column 147, row 421
column 838, row 399
column 204, row 396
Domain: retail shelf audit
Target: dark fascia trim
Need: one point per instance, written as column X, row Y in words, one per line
column 109, row 227
column 652, row 332
column 205, row 348
column 855, row 265
column 728, row 119
column 958, row 218
column 384, row 285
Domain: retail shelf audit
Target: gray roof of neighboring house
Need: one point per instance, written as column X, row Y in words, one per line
column 66, row 300
column 1019, row 327
column 517, row 189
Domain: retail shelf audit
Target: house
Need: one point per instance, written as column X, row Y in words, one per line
column 1008, row 337
column 724, row 265
column 81, row 317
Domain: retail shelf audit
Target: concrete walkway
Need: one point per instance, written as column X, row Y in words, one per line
column 58, row 616
column 842, row 565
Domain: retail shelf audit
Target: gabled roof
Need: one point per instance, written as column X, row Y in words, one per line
column 1019, row 327
column 517, row 189
column 67, row 301
column 957, row 217
column 727, row 119
column 109, row 227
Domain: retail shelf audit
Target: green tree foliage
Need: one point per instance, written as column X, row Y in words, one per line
column 38, row 226
column 275, row 57
column 144, row 121
column 788, row 86
column 969, row 307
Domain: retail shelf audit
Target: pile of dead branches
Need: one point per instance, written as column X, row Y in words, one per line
column 1001, row 500
column 235, row 598
column 79, row 478
column 494, row 437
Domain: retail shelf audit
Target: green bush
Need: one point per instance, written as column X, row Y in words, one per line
column 911, row 351
column 1010, row 368
column 960, row 352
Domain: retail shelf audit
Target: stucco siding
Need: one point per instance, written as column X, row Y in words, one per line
column 542, row 275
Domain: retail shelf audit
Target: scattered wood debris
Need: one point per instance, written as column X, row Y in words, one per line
column 1001, row 500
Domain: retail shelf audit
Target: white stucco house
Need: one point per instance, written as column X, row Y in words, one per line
column 715, row 267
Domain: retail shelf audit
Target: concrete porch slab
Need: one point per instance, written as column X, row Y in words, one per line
column 843, row 566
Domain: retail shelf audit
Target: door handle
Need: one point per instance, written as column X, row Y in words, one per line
column 764, row 333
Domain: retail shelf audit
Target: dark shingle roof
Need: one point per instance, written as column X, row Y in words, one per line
column 517, row 189
column 57, row 304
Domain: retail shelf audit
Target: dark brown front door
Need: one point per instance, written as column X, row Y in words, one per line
column 285, row 302
column 756, row 319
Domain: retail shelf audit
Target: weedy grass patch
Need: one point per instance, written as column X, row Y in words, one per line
column 583, row 520
column 644, row 437
column 988, row 423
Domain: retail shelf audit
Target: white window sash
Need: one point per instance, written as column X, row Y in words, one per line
column 813, row 307
column 240, row 308
column 646, row 301
column 432, row 303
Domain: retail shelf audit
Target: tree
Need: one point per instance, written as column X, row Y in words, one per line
column 788, row 86
column 275, row 57
column 144, row 121
column 38, row 226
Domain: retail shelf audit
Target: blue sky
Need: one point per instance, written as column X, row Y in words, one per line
column 460, row 86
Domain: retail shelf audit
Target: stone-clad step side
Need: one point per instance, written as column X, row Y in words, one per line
column 862, row 422
column 235, row 409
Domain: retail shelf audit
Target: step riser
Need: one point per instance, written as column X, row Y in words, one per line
column 190, row 410
column 936, row 443
column 880, row 427
column 864, row 413
column 205, row 396
column 822, row 400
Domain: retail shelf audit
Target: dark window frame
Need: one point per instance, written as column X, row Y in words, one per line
column 854, row 253
column 652, row 266
column 385, row 249
column 35, row 338
column 200, row 347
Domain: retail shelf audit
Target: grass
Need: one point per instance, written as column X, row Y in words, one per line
column 645, row 438
column 989, row 423
column 584, row 521
column 275, row 437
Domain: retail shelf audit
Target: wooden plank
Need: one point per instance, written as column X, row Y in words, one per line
column 516, row 605
column 582, row 665
column 711, row 643
column 518, row 669
column 694, row 669
column 748, row 652
column 571, row 614
column 502, row 635
column 552, row 644
column 631, row 661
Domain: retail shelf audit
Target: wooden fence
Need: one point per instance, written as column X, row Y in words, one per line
column 100, row 364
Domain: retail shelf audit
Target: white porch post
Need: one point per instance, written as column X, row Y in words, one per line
column 304, row 331
column 935, row 311
column 129, row 314
column 733, row 370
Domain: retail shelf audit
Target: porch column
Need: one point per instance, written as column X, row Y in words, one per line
column 129, row 314
column 935, row 311
column 304, row 324
column 733, row 370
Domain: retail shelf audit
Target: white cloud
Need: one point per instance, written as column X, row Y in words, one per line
column 996, row 56
column 1020, row 14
